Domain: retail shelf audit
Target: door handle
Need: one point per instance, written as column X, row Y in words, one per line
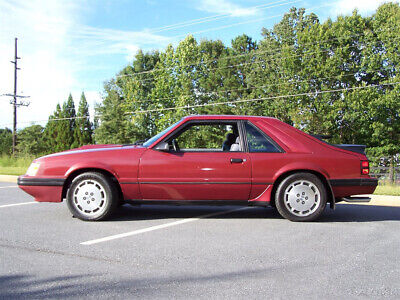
column 236, row 160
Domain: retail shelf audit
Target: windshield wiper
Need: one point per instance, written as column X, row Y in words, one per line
column 139, row 142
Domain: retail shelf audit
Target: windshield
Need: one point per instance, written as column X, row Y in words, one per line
column 157, row 136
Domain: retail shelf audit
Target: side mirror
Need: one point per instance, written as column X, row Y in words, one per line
column 163, row 146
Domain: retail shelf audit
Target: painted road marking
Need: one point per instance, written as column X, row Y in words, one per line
column 6, row 187
column 152, row 228
column 17, row 204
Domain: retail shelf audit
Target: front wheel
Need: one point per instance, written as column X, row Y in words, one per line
column 92, row 197
column 301, row 197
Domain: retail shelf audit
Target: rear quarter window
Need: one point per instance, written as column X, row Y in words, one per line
column 258, row 141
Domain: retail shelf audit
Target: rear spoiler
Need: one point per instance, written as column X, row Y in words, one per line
column 354, row 148
column 321, row 137
column 349, row 147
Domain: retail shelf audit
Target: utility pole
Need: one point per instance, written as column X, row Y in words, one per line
column 15, row 62
column 14, row 101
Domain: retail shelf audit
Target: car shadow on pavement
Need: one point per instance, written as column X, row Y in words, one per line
column 21, row 286
column 342, row 213
column 361, row 213
column 154, row 212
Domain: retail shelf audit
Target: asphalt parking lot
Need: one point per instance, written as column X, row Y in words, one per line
column 173, row 252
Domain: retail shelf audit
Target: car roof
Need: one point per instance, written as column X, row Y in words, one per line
column 224, row 117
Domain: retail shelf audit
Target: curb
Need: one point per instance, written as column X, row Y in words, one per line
column 8, row 178
column 381, row 200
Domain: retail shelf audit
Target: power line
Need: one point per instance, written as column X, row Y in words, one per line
column 236, row 24
column 256, row 62
column 281, row 58
column 252, row 53
column 50, row 120
column 312, row 93
column 218, row 17
column 313, row 80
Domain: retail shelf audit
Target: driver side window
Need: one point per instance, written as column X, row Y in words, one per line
column 207, row 137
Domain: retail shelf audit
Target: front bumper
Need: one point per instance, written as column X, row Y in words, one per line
column 42, row 189
column 33, row 181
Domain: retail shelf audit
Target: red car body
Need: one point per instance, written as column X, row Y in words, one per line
column 145, row 174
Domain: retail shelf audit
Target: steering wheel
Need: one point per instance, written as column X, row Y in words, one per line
column 175, row 145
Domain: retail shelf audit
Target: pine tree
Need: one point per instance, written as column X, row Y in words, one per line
column 66, row 126
column 83, row 126
column 51, row 130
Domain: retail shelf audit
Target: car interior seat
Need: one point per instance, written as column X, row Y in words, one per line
column 230, row 139
column 236, row 146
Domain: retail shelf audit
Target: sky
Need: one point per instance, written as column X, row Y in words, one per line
column 74, row 46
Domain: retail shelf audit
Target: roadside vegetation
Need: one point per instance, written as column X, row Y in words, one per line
column 388, row 189
column 14, row 165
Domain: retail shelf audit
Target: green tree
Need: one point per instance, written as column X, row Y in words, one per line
column 83, row 126
column 66, row 125
column 31, row 140
column 5, row 141
column 114, row 122
column 52, row 129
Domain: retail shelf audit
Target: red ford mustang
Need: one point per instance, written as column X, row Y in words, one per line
column 234, row 160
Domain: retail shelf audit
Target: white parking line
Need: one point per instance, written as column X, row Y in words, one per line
column 135, row 232
column 17, row 204
column 10, row 186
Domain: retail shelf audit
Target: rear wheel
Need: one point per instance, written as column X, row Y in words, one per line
column 301, row 197
column 92, row 197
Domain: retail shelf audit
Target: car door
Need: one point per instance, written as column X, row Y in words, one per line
column 267, row 157
column 199, row 169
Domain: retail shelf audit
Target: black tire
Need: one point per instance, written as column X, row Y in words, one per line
column 288, row 197
column 99, row 192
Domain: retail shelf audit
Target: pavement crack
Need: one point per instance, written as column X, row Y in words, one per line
column 55, row 252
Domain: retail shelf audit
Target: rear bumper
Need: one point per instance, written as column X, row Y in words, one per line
column 354, row 182
column 357, row 186
column 42, row 189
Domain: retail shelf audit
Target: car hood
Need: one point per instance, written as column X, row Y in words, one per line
column 92, row 148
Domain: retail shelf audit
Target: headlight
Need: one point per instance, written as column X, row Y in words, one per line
column 32, row 170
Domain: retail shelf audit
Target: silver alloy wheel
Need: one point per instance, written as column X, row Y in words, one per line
column 302, row 198
column 89, row 198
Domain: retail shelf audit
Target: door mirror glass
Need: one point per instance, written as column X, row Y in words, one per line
column 163, row 146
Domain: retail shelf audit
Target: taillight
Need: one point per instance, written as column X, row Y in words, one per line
column 365, row 167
